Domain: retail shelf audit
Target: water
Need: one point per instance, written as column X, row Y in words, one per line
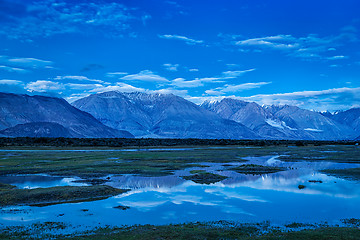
column 39, row 181
column 171, row 199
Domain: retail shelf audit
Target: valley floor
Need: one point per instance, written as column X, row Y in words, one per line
column 46, row 192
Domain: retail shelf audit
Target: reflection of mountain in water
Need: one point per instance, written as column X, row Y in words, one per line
column 234, row 178
column 136, row 182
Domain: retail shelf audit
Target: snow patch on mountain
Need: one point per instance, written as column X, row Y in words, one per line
column 313, row 130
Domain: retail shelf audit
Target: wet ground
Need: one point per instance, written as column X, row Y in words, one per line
column 276, row 197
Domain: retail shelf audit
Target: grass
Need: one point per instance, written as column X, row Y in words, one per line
column 217, row 230
column 55, row 195
column 348, row 173
column 94, row 164
column 202, row 177
column 256, row 169
column 301, row 186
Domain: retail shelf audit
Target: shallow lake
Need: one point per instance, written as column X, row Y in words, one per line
column 171, row 199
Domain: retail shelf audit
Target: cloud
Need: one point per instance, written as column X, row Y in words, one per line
column 30, row 62
column 235, row 74
column 310, row 47
column 121, row 87
column 182, row 93
column 146, row 76
column 44, row 86
column 78, row 78
column 193, row 70
column 337, row 57
column 116, row 74
column 43, row 18
column 279, row 41
column 228, row 88
column 23, row 65
column 329, row 99
column 10, row 82
column 83, row 86
column 171, row 67
column 187, row 40
column 199, row 82
column 12, row 69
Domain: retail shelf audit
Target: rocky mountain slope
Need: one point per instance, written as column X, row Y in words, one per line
column 280, row 122
column 24, row 109
column 160, row 115
column 350, row 117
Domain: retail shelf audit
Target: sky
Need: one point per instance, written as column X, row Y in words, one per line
column 304, row 53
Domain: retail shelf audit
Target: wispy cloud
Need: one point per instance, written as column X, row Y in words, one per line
column 121, row 87
column 182, row 93
column 44, row 86
column 187, row 40
column 12, row 69
column 79, row 86
column 235, row 74
column 171, row 67
column 328, row 99
column 279, row 41
column 23, row 65
column 146, row 76
column 30, row 62
column 116, row 74
column 310, row 47
column 337, row 57
column 44, row 18
column 77, row 78
column 199, row 82
column 10, row 82
column 232, row 88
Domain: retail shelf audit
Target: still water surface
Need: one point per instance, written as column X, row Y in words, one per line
column 170, row 199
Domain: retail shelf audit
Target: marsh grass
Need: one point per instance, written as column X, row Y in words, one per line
column 214, row 230
column 202, row 177
column 348, row 173
column 256, row 169
column 96, row 164
column 56, row 195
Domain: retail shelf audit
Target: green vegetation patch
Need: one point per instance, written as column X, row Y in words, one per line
column 301, row 186
column 202, row 177
column 348, row 173
column 212, row 230
column 6, row 187
column 56, row 195
column 99, row 162
column 256, row 169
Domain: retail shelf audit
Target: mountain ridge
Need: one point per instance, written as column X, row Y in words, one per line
column 283, row 122
column 166, row 115
column 23, row 109
column 156, row 115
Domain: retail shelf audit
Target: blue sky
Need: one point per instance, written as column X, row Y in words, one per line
column 303, row 53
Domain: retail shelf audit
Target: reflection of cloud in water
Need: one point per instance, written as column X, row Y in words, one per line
column 280, row 182
column 170, row 199
column 142, row 205
column 233, row 193
column 197, row 200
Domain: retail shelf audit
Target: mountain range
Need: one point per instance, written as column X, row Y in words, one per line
column 24, row 115
column 281, row 122
column 119, row 114
column 160, row 116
